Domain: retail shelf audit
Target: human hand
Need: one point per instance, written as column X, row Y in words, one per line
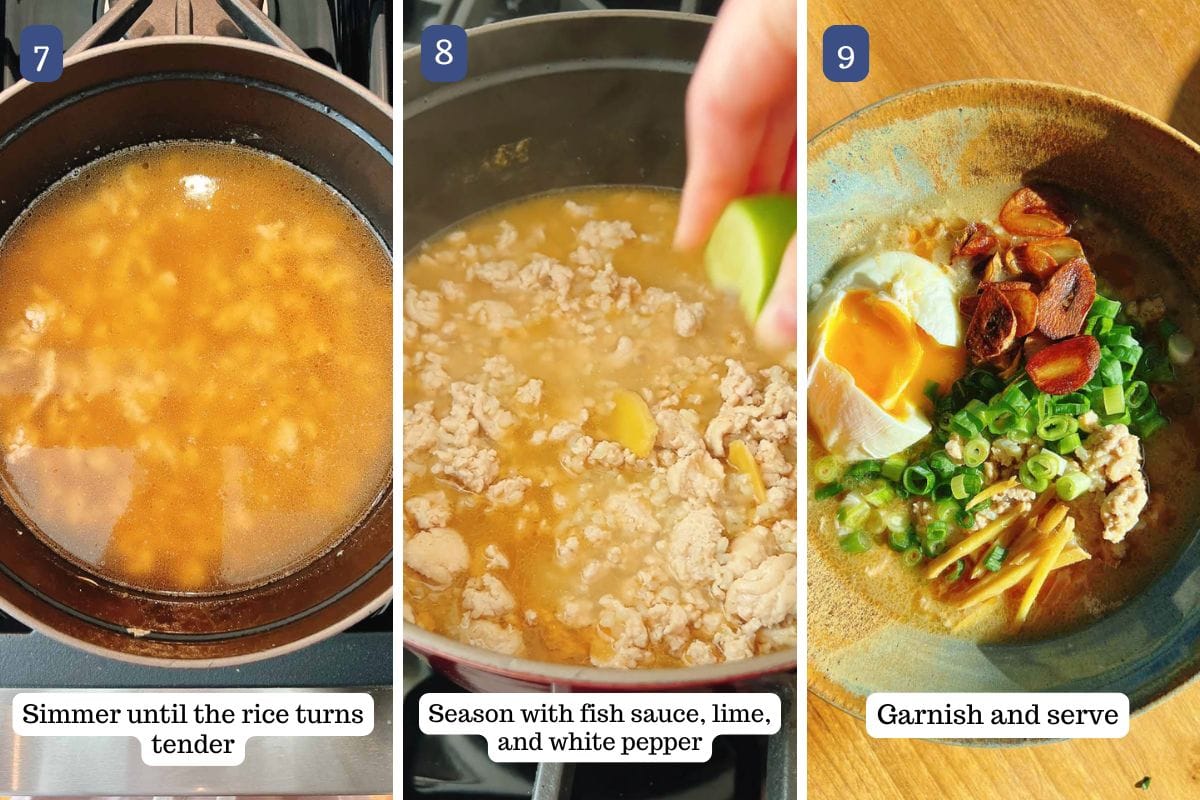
column 741, row 134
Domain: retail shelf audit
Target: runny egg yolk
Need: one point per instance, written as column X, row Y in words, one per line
column 889, row 356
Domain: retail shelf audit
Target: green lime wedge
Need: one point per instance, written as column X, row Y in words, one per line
column 747, row 245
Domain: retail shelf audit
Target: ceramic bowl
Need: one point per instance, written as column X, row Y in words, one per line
column 950, row 137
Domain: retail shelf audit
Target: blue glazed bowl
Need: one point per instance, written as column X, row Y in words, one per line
column 900, row 153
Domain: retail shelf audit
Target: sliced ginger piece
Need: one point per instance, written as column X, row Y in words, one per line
column 631, row 424
column 743, row 461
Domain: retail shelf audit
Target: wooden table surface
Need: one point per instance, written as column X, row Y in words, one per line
column 1146, row 54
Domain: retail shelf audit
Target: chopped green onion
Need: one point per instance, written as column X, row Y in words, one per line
column 979, row 410
column 1030, row 480
column 1002, row 422
column 956, row 571
column 1136, row 394
column 1016, row 400
column 976, row 451
column 896, row 518
column 912, row 557
column 1103, row 326
column 1103, row 307
column 958, row 487
column 1180, row 348
column 827, row 469
column 918, row 480
column 881, row 495
column 942, row 491
column 1114, row 399
column 1150, row 424
column 875, row 524
column 1073, row 404
column 1055, row 427
column 931, row 391
column 995, row 557
column 1167, row 327
column 965, row 425
column 900, row 540
column 1046, row 465
column 853, row 514
column 1068, row 444
column 965, row 518
column 935, row 538
column 864, row 469
column 944, row 510
column 827, row 491
column 941, row 463
column 855, row 541
column 1022, row 431
column 1109, row 371
column 893, row 467
column 1045, row 406
column 1072, row 485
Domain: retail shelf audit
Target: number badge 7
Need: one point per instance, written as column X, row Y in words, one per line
column 41, row 53
column 444, row 53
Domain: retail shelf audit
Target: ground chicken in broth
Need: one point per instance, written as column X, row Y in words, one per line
column 195, row 373
column 1049, row 476
column 599, row 462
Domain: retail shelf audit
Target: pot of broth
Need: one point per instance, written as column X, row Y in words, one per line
column 196, row 363
column 575, row 513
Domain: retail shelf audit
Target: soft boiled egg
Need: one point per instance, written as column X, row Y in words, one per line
column 883, row 328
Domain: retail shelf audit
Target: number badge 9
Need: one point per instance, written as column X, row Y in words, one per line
column 846, row 53
column 41, row 53
column 444, row 53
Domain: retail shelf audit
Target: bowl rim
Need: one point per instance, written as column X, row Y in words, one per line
column 817, row 683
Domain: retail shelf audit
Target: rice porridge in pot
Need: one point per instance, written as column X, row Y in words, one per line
column 195, row 367
column 599, row 460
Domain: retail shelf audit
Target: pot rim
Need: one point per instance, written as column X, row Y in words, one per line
column 428, row 644
column 414, row 52
column 818, row 684
column 340, row 625
column 217, row 42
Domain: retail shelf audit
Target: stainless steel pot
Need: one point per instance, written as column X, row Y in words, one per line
column 552, row 102
column 235, row 77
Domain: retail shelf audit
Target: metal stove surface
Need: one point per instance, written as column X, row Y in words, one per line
column 354, row 37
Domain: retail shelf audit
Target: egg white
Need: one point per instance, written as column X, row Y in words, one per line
column 851, row 424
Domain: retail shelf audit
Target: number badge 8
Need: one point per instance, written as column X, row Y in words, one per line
column 444, row 53
column 846, row 53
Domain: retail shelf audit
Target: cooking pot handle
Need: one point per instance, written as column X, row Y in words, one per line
column 131, row 19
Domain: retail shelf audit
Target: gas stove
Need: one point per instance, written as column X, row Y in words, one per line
column 353, row 37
